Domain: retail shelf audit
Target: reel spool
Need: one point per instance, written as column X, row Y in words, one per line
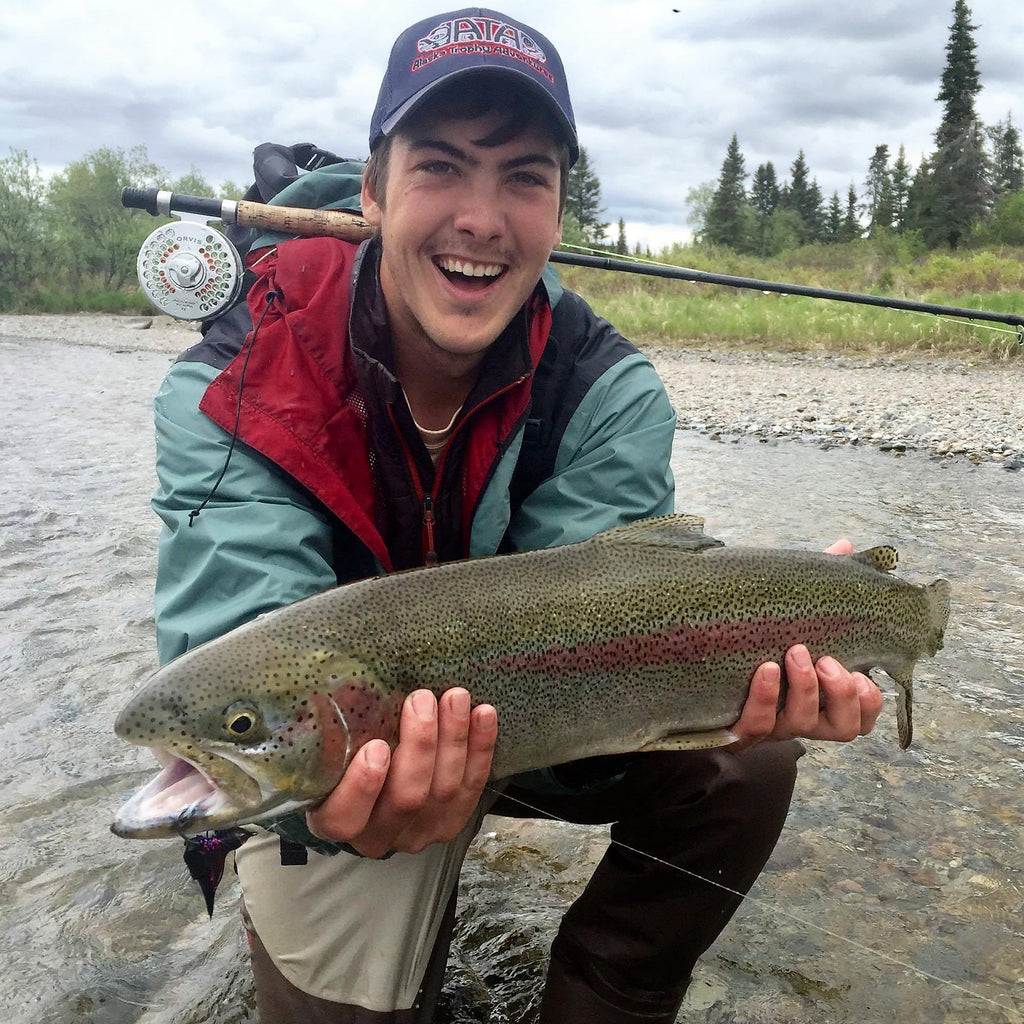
column 189, row 270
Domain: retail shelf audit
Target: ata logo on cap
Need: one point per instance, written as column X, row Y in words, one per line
column 479, row 37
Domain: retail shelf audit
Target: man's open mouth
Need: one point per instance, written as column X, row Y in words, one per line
column 462, row 271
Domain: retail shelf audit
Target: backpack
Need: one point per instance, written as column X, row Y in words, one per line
column 276, row 168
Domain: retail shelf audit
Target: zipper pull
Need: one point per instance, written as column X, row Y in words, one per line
column 429, row 554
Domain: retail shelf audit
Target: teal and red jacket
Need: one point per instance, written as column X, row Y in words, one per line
column 567, row 433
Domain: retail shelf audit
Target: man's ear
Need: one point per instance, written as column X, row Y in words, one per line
column 368, row 201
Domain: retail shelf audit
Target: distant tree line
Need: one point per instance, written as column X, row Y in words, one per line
column 970, row 185
column 69, row 236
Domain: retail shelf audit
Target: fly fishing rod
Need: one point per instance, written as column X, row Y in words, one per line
column 192, row 272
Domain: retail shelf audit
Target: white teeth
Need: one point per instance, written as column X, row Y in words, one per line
column 468, row 269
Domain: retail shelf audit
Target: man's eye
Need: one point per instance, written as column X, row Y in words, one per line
column 527, row 178
column 437, row 167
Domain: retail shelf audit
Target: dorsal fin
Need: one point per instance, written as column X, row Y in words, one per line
column 678, row 531
column 883, row 558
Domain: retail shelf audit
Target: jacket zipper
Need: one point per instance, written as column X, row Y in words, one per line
column 427, row 499
column 427, row 544
column 429, row 552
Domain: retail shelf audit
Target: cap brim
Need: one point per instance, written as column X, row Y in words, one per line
column 415, row 102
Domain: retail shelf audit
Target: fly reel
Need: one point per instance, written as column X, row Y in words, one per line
column 189, row 270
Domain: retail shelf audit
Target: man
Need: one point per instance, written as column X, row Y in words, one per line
column 390, row 409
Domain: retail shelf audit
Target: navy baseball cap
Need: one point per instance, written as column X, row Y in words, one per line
column 470, row 41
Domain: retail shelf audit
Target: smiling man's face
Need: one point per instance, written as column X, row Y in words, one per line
column 466, row 231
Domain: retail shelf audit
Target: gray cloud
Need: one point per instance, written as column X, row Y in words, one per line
column 658, row 95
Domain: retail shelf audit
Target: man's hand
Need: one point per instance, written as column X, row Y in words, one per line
column 423, row 793
column 823, row 701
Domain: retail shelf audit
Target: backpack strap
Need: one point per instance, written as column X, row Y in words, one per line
column 581, row 346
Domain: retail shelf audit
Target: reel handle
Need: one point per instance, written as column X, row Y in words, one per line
column 349, row 227
column 159, row 202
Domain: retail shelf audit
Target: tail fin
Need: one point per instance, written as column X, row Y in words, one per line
column 937, row 596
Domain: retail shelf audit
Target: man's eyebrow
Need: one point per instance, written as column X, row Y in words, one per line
column 528, row 159
column 444, row 147
column 524, row 160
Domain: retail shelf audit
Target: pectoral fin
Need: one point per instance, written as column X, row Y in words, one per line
column 692, row 740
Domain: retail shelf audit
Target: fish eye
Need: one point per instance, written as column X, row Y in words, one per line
column 242, row 721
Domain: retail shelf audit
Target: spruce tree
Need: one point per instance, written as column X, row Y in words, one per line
column 764, row 190
column 764, row 198
column 726, row 221
column 621, row 245
column 962, row 193
column 878, row 192
column 851, row 226
column 583, row 199
column 899, row 183
column 1007, row 159
column 920, row 199
column 834, row 219
column 814, row 216
column 961, row 188
column 804, row 197
column 960, row 79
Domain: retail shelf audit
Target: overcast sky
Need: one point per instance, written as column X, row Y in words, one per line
column 659, row 88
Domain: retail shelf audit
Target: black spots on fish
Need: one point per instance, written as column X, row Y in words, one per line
column 141, row 720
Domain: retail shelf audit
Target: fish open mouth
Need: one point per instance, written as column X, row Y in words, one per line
column 182, row 799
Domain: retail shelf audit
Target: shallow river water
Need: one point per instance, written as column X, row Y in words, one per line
column 896, row 893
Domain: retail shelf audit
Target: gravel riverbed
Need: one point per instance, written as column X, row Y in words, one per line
column 943, row 406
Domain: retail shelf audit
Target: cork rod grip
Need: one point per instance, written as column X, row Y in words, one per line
column 296, row 221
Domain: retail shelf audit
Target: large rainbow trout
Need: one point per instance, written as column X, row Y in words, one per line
column 644, row 637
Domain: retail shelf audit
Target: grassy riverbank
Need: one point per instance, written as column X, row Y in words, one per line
column 661, row 312
column 667, row 313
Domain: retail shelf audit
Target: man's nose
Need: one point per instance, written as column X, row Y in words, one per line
column 480, row 213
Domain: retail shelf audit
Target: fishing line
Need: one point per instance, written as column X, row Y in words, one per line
column 774, row 908
column 271, row 295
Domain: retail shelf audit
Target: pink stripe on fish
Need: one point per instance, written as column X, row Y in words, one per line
column 677, row 644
